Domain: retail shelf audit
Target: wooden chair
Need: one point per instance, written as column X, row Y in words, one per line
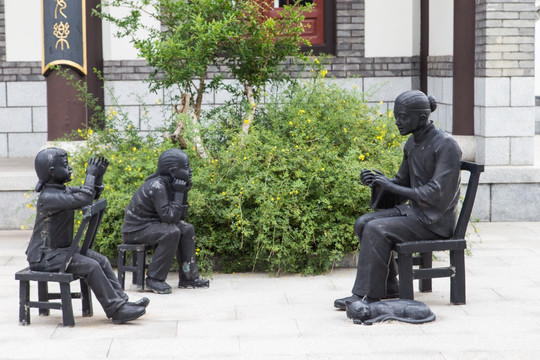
column 420, row 253
column 92, row 215
column 138, row 264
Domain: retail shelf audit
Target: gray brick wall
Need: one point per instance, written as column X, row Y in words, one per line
column 505, row 38
column 440, row 66
column 349, row 60
column 2, row 33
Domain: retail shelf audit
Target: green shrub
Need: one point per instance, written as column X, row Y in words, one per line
column 282, row 198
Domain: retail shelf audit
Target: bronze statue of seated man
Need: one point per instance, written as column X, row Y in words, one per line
column 418, row 203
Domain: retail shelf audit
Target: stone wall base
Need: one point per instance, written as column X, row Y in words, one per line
column 505, row 193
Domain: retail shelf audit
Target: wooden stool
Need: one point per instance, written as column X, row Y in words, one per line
column 138, row 263
column 43, row 304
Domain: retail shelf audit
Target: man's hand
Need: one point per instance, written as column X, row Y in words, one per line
column 382, row 181
column 179, row 185
column 367, row 176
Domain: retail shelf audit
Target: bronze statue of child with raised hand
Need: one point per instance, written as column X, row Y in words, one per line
column 418, row 203
column 53, row 231
column 156, row 215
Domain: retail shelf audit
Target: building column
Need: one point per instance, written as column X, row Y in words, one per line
column 65, row 111
column 463, row 68
column 504, row 82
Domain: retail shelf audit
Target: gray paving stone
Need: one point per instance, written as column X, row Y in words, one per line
column 258, row 316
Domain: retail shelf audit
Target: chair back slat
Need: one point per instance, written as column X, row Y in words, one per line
column 92, row 215
column 468, row 201
column 95, row 212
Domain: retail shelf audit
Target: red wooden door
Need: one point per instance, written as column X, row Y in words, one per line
column 314, row 20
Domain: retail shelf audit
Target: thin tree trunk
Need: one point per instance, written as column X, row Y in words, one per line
column 250, row 113
column 183, row 108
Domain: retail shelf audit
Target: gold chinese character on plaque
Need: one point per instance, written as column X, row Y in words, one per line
column 61, row 31
column 60, row 6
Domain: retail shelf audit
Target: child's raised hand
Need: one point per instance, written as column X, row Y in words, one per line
column 179, row 185
column 103, row 164
column 93, row 165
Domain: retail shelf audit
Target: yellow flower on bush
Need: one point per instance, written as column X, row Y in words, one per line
column 324, row 72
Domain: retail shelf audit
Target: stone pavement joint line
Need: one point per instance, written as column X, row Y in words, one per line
column 257, row 316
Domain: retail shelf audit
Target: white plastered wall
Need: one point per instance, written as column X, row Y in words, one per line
column 441, row 28
column 23, row 30
column 392, row 28
column 120, row 48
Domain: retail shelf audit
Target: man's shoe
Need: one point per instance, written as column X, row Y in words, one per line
column 341, row 303
column 157, row 286
column 128, row 313
column 141, row 302
column 197, row 283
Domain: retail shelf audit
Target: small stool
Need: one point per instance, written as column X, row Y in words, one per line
column 43, row 304
column 138, row 263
